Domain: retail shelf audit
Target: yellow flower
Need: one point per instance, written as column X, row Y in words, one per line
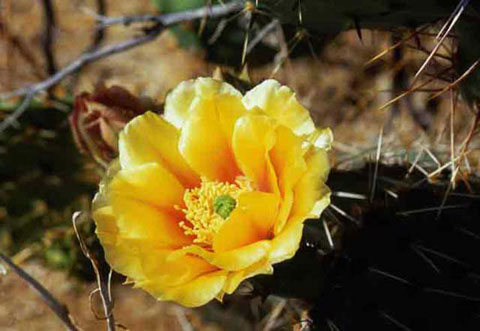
column 214, row 191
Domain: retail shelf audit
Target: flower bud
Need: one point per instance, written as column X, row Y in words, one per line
column 98, row 117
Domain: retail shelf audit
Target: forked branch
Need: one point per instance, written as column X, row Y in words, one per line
column 160, row 23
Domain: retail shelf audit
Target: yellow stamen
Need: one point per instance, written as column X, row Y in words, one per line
column 203, row 216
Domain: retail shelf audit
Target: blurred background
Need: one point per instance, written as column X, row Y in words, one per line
column 345, row 80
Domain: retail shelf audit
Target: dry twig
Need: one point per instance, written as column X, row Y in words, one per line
column 103, row 285
column 161, row 22
column 174, row 18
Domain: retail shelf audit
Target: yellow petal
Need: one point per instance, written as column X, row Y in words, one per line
column 204, row 144
column 149, row 138
column 192, row 294
column 178, row 103
column 285, row 244
column 322, row 138
column 100, row 199
column 280, row 103
column 235, row 278
column 288, row 161
column 157, row 264
column 251, row 221
column 253, row 138
column 150, row 183
column 312, row 196
column 232, row 260
column 143, row 220
column 122, row 256
column 105, row 220
column 141, row 259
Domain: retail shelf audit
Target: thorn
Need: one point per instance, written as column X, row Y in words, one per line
column 377, row 161
column 391, row 193
column 442, row 255
column 429, row 209
column 453, row 19
column 426, row 259
column 417, row 158
column 262, row 34
column 332, row 326
column 356, row 22
column 349, row 195
column 413, row 89
column 328, row 234
column 391, row 48
column 432, row 156
column 444, row 200
column 389, row 275
column 461, row 3
column 469, row 233
column 446, row 165
column 453, row 103
column 457, row 81
column 244, row 74
column 453, row 294
column 394, row 321
column 344, row 214
column 218, row 74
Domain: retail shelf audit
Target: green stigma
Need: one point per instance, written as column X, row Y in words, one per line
column 223, row 205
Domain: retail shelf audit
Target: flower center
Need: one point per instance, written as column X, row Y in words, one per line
column 224, row 205
column 207, row 207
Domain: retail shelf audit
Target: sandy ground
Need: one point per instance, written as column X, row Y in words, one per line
column 22, row 309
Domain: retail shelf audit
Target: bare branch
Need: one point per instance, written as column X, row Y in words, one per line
column 59, row 309
column 10, row 120
column 82, row 61
column 174, row 18
column 162, row 21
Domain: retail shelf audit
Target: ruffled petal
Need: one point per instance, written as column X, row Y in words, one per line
column 285, row 244
column 280, row 103
column 149, row 138
column 192, row 294
column 179, row 101
column 120, row 255
column 141, row 219
column 232, row 260
column 143, row 259
column 235, row 278
column 157, row 264
column 287, row 159
column 150, row 183
column 251, row 221
column 312, row 196
column 203, row 143
column 253, row 138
